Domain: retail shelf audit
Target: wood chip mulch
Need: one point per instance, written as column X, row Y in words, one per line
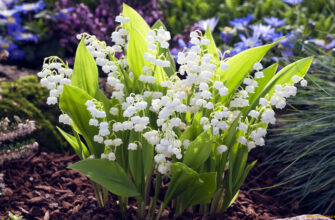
column 41, row 187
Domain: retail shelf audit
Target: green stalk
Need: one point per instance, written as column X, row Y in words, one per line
column 139, row 200
column 157, row 189
column 98, row 194
column 122, row 208
column 105, row 195
column 79, row 143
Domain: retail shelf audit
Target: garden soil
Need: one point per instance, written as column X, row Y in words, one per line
column 41, row 187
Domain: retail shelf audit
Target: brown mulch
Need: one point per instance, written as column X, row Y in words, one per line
column 41, row 187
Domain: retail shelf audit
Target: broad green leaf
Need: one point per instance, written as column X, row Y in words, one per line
column 148, row 155
column 137, row 44
column 285, row 75
column 72, row 102
column 199, row 150
column 268, row 75
column 141, row 160
column 240, row 65
column 100, row 96
column 136, row 161
column 166, row 52
column 212, row 47
column 181, row 178
column 80, row 151
column 107, row 173
column 85, row 71
column 194, row 130
column 200, row 192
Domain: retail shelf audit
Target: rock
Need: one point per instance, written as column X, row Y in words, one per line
column 306, row 217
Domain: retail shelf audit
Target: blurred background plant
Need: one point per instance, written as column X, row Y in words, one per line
column 242, row 24
column 97, row 19
column 303, row 147
column 25, row 98
column 25, row 31
column 16, row 141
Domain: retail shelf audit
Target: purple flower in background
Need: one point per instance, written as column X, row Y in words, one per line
column 293, row 2
column 263, row 31
column 274, row 22
column 27, row 7
column 211, row 23
column 99, row 22
column 241, row 23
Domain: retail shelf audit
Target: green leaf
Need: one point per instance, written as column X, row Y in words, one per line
column 212, row 47
column 181, row 178
column 285, row 75
column 137, row 44
column 199, row 150
column 107, row 173
column 166, row 52
column 72, row 102
column 85, row 71
column 240, row 65
column 262, row 82
column 136, row 161
column 200, row 192
column 80, row 151
column 194, row 130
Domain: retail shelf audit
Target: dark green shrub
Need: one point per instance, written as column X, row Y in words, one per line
column 25, row 98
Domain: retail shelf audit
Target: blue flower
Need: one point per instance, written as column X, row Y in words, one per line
column 211, row 23
column 181, row 43
column 274, row 22
column 331, row 45
column 27, row 7
column 174, row 53
column 64, row 13
column 322, row 43
column 16, row 54
column 227, row 34
column 9, row 2
column 263, row 31
column 246, row 43
column 241, row 23
column 5, row 44
column 293, row 2
column 13, row 22
column 25, row 37
column 6, row 13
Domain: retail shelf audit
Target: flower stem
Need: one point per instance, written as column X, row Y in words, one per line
column 157, row 189
column 98, row 194
column 122, row 208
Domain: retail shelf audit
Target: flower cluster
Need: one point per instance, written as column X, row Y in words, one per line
column 183, row 122
column 54, row 75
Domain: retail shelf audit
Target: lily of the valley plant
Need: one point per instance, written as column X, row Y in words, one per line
column 193, row 126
